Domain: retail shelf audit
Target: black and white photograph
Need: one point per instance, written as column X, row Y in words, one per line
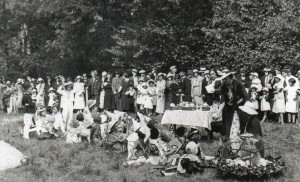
column 149, row 90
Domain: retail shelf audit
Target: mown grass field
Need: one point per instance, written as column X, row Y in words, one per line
column 56, row 161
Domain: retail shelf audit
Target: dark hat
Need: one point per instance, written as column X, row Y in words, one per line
column 189, row 72
column 79, row 117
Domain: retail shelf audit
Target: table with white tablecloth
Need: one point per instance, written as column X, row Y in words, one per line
column 189, row 118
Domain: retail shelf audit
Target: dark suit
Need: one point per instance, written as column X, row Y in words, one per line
column 231, row 103
column 187, row 89
column 94, row 87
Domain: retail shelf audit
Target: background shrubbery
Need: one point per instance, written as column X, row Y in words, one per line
column 74, row 36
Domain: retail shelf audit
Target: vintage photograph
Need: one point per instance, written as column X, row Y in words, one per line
column 149, row 90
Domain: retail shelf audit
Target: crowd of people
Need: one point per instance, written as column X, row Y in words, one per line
column 115, row 110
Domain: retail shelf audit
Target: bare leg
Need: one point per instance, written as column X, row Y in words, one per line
column 264, row 118
column 281, row 118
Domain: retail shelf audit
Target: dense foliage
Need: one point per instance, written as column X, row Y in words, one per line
column 74, row 36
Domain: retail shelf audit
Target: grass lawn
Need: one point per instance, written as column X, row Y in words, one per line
column 54, row 160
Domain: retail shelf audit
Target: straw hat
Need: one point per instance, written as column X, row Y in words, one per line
column 225, row 75
column 51, row 89
column 195, row 71
column 134, row 70
column 192, row 148
column 40, row 80
column 267, row 69
column 280, row 77
column 78, row 77
column 68, row 84
column 249, row 108
column 149, row 81
column 202, row 69
column 172, row 67
column 19, row 80
column 170, row 75
column 104, row 73
column 142, row 71
column 254, row 74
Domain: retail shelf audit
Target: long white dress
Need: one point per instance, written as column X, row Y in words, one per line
column 291, row 103
column 68, row 97
column 160, row 92
column 279, row 103
column 78, row 90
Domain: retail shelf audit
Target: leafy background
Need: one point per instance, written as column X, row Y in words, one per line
column 74, row 36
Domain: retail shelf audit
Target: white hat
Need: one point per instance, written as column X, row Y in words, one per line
column 161, row 74
column 150, row 81
column 225, row 75
column 104, row 73
column 206, row 72
column 19, row 80
column 103, row 118
column 78, row 77
column 170, row 75
column 144, row 84
column 202, row 69
column 254, row 74
column 265, row 89
column 51, row 89
column 134, row 70
column 68, row 84
column 267, row 69
column 40, row 80
column 249, row 108
column 195, row 71
column 192, row 148
column 298, row 73
column 142, row 71
column 172, row 67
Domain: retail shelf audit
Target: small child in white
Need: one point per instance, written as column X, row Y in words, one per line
column 148, row 104
column 264, row 103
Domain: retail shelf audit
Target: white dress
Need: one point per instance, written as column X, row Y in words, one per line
column 78, row 90
column 68, row 106
column 279, row 103
column 264, row 104
column 291, row 103
column 148, row 102
column 51, row 99
column 160, row 93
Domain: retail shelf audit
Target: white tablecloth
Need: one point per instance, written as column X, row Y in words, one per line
column 189, row 118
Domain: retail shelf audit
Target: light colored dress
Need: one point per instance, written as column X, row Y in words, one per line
column 197, row 89
column 20, row 93
column 279, row 103
column 78, row 90
column 10, row 157
column 160, row 92
column 51, row 99
column 264, row 104
column 148, row 102
column 152, row 91
column 68, row 97
column 235, row 132
column 291, row 103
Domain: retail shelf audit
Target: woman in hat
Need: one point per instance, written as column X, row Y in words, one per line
column 197, row 87
column 279, row 103
column 40, row 87
column 67, row 95
column 175, row 91
column 168, row 93
column 209, row 90
column 125, row 100
column 152, row 91
column 51, row 96
column 291, row 100
column 78, row 90
column 160, row 92
column 20, row 94
column 109, row 100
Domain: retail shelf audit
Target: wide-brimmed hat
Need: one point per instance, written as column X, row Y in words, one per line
column 78, row 77
column 162, row 74
column 149, row 81
column 170, row 75
column 134, row 70
column 40, row 79
column 192, row 148
column 249, row 108
column 51, row 89
column 172, row 67
column 182, row 73
column 104, row 73
column 254, row 74
column 195, row 71
column 19, row 80
column 142, row 71
column 68, row 84
column 144, row 84
column 267, row 69
column 202, row 70
column 226, row 75
column 189, row 72
column 265, row 89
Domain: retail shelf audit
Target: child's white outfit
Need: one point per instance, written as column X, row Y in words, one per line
column 264, row 104
column 142, row 92
column 78, row 90
column 73, row 135
column 279, row 103
column 291, row 103
column 148, row 102
column 51, row 99
column 59, row 122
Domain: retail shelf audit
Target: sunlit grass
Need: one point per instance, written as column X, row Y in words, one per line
column 54, row 160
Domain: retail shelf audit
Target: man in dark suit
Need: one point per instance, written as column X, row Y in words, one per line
column 94, row 87
column 235, row 95
column 265, row 80
column 187, row 86
column 116, row 87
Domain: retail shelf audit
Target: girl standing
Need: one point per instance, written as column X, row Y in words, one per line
column 264, row 103
column 291, row 100
column 78, row 90
column 160, row 92
column 279, row 103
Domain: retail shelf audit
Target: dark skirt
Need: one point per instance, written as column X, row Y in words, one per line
column 109, row 99
column 127, row 102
